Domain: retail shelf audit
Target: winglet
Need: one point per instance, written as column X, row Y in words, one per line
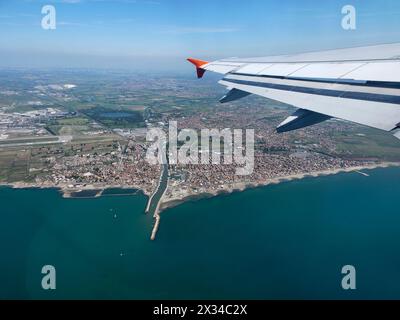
column 199, row 64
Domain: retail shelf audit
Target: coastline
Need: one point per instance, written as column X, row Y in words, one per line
column 67, row 192
column 164, row 203
column 242, row 186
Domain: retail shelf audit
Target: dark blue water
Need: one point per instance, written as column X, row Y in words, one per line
column 284, row 241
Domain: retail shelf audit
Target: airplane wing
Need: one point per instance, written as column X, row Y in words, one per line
column 361, row 85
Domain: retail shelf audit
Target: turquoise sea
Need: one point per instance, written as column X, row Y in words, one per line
column 278, row 242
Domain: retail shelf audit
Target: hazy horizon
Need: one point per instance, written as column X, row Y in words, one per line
column 153, row 35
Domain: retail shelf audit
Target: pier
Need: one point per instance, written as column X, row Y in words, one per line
column 363, row 173
column 154, row 203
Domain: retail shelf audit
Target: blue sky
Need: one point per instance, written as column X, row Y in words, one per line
column 160, row 33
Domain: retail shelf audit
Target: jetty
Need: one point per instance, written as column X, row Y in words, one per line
column 363, row 173
column 154, row 203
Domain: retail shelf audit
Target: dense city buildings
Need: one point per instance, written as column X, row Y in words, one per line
column 80, row 130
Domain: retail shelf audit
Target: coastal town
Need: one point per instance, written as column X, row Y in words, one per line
column 64, row 136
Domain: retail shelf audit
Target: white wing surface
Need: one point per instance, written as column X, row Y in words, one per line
column 358, row 84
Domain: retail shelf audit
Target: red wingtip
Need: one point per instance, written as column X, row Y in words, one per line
column 199, row 64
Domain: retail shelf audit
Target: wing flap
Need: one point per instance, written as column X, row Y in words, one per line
column 331, row 70
column 377, row 71
column 253, row 68
column 282, row 69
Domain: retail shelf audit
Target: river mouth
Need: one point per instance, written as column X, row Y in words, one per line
column 157, row 195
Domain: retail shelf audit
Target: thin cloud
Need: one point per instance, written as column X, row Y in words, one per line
column 149, row 2
column 193, row 30
column 71, row 24
column 114, row 1
column 70, row 1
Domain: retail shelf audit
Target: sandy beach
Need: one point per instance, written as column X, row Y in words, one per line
column 176, row 200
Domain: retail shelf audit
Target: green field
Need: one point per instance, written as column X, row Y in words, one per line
column 368, row 143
